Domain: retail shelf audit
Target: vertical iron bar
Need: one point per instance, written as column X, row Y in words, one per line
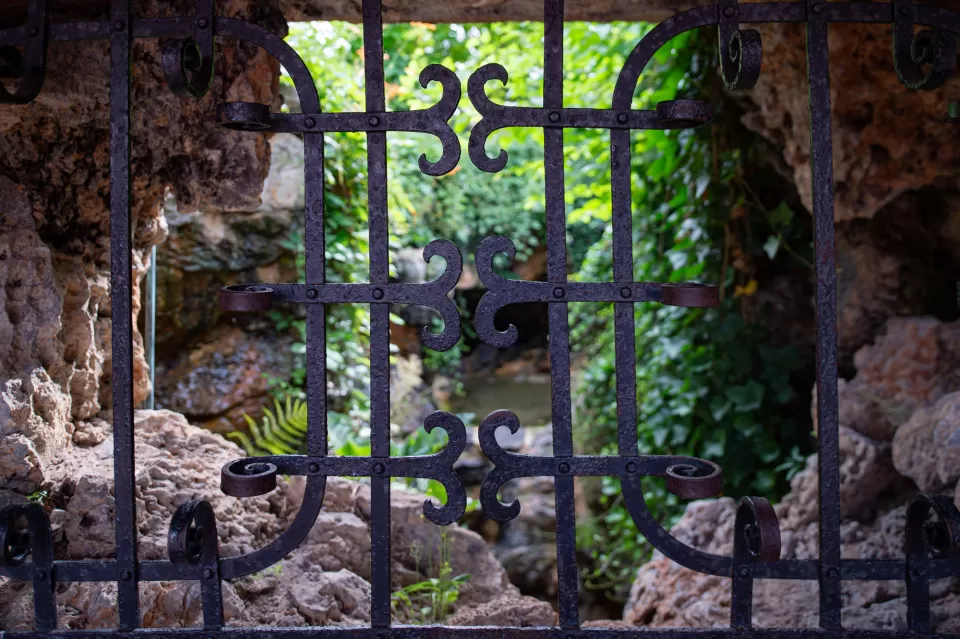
column 379, row 316
column 559, row 324
column 622, row 204
column 818, row 71
column 314, row 249
column 121, row 294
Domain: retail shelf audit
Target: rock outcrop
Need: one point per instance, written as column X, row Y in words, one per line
column 55, row 312
column 324, row 581
column 912, row 368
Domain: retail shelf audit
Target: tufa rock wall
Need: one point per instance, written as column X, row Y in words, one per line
column 54, row 229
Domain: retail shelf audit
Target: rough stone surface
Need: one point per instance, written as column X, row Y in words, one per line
column 508, row 610
column 321, row 582
column 927, row 448
column 911, row 364
column 223, row 377
column 55, row 315
column 886, row 140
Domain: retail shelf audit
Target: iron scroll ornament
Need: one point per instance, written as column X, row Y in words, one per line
column 923, row 61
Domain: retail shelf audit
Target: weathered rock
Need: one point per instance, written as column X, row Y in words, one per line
column 207, row 250
column 927, row 448
column 886, row 139
column 320, row 582
column 509, row 610
column 55, row 315
column 323, row 597
column 910, row 365
column 84, row 606
column 225, row 376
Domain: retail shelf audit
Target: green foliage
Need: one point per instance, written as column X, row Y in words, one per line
column 282, row 431
column 428, row 602
column 709, row 383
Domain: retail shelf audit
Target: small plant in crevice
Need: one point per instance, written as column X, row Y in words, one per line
column 430, row 601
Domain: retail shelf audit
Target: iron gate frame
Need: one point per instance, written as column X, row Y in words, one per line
column 924, row 60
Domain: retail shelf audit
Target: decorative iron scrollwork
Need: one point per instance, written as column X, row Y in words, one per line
column 29, row 67
column 926, row 59
column 932, row 532
column 192, row 541
column 741, row 51
column 756, row 539
column 433, row 294
column 188, row 64
column 687, row 477
column 251, row 116
column 253, row 476
column 501, row 292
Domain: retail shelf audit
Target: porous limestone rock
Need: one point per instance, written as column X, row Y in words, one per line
column 911, row 364
column 55, row 315
column 927, row 448
column 323, row 581
column 886, row 139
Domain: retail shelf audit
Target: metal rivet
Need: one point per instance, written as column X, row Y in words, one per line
column 554, row 116
column 41, row 575
column 631, row 467
column 310, row 122
column 833, row 573
column 622, row 118
column 312, row 293
column 34, row 32
column 207, row 573
column 378, row 469
column 119, row 25
column 904, row 11
column 729, row 12
column 920, row 571
column 374, row 120
column 744, row 571
column 564, row 468
column 126, row 575
column 558, row 293
column 818, row 8
column 313, row 467
column 378, row 293
column 202, row 23
column 626, row 293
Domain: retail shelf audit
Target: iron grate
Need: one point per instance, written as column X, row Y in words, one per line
column 924, row 60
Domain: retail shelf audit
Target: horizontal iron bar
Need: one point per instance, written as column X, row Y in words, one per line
column 182, row 27
column 66, row 571
column 359, row 293
column 468, row 632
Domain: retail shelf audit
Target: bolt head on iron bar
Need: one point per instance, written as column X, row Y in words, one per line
column 246, row 298
column 244, row 116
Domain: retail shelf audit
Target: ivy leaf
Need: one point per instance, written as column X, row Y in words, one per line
column 747, row 397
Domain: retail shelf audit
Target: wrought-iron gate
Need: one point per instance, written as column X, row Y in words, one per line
column 923, row 60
